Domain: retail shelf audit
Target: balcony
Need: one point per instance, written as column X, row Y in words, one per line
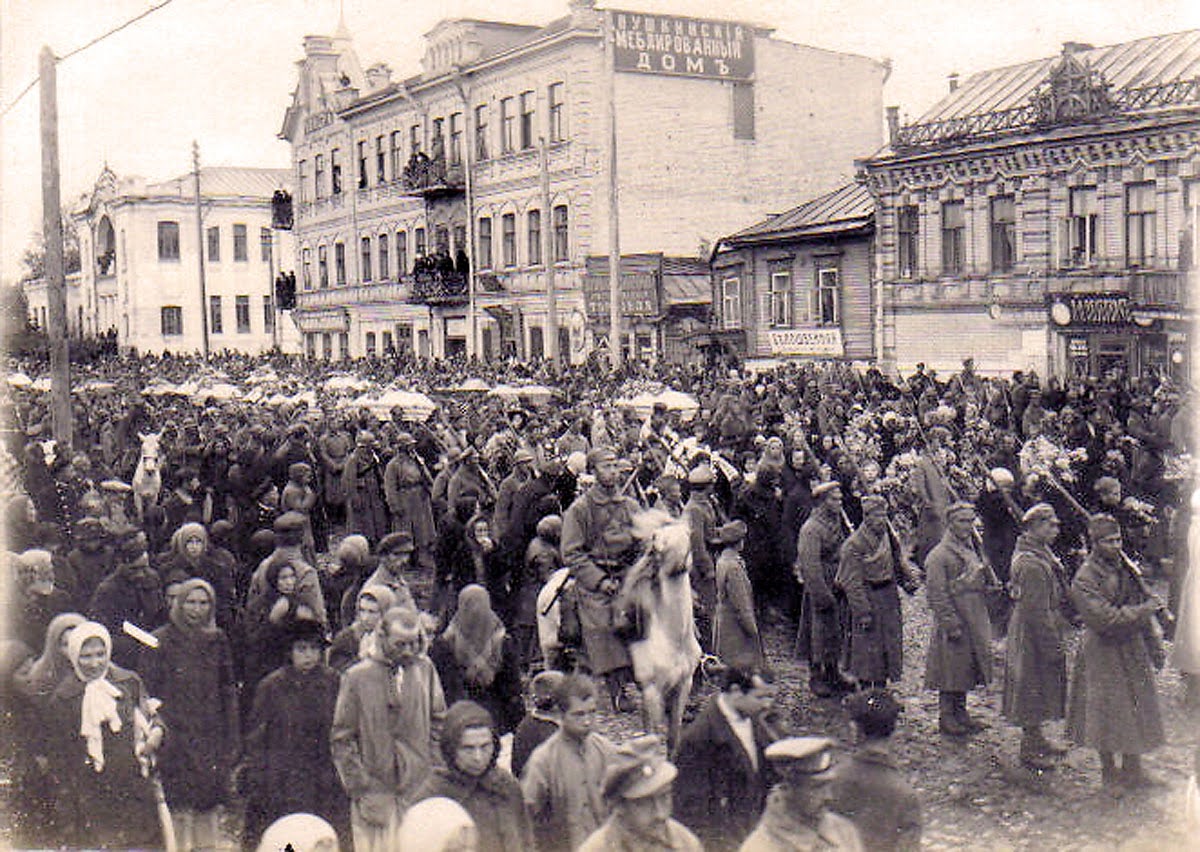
column 1160, row 290
column 432, row 177
column 439, row 288
column 387, row 291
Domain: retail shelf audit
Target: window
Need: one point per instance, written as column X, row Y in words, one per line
column 441, row 239
column 401, row 253
column 240, row 249
column 455, row 153
column 241, row 308
column 731, row 302
column 319, row 179
column 344, row 345
column 172, row 320
column 508, row 239
column 907, row 234
column 385, row 270
column 266, row 242
column 528, row 108
column 216, row 318
column 419, row 246
column 414, row 139
column 168, row 241
column 481, row 131
column 953, row 236
column 460, row 238
column 326, row 346
column 362, row 164
column 335, row 173
column 380, row 162
column 385, row 343
column 397, row 167
column 437, row 143
column 268, row 314
column 1140, row 217
column 302, row 179
column 507, row 126
column 339, row 264
column 780, row 298
column 370, row 344
column 1081, row 226
column 214, row 245
column 562, row 248
column 323, row 266
column 554, row 97
column 306, row 268
column 484, row 260
column 365, row 266
column 827, row 296
column 1004, row 233
column 533, row 223
column 1189, row 235
column 310, row 345
column 743, row 110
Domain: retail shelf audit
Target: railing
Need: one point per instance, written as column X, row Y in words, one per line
column 1160, row 289
column 432, row 175
column 434, row 288
column 386, row 291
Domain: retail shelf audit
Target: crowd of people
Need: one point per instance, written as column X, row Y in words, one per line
column 322, row 608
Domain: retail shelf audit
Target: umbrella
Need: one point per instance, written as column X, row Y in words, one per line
column 19, row 380
column 97, row 386
column 674, row 400
column 264, row 378
column 344, row 382
column 415, row 406
column 537, row 394
column 221, row 392
column 42, row 384
column 471, row 385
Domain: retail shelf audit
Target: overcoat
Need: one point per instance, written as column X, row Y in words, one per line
column 822, row 612
column 867, row 576
column 735, row 629
column 408, row 499
column 955, row 585
column 1114, row 703
column 1035, row 675
column 871, row 791
column 362, row 482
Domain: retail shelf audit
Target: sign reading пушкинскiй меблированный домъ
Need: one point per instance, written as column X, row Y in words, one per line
column 684, row 47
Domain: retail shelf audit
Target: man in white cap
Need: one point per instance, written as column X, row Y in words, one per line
column 797, row 815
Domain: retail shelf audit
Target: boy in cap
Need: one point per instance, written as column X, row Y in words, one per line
column 797, row 814
column 870, row 789
column 540, row 721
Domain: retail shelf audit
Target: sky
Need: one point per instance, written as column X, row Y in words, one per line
column 221, row 72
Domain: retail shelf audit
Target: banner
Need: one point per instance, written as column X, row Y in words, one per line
column 682, row 47
column 824, row 342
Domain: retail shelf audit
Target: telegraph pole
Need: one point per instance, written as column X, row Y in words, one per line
column 52, row 233
column 200, row 247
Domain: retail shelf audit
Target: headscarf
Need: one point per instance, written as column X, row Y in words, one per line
column 186, row 532
column 99, row 695
column 182, row 591
column 476, row 635
column 368, row 643
column 48, row 669
column 433, row 825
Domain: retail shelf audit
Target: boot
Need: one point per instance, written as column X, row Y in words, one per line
column 1134, row 777
column 1032, row 754
column 1044, row 746
column 1110, row 776
column 973, row 726
column 948, row 722
column 839, row 683
column 818, row 681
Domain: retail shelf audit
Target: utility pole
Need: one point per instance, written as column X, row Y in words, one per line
column 200, row 248
column 614, row 214
column 52, row 234
column 548, row 257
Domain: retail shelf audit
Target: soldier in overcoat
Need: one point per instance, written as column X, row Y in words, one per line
column 1035, row 677
column 598, row 547
column 960, row 654
column 822, row 609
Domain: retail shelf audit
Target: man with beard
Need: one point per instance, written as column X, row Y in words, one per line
column 389, row 709
column 818, row 549
column 598, row 547
column 133, row 593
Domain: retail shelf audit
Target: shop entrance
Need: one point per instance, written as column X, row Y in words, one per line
column 1112, row 353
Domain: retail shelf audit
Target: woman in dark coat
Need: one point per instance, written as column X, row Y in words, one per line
column 192, row 555
column 1114, row 703
column 191, row 670
column 96, row 717
column 288, row 767
column 476, row 659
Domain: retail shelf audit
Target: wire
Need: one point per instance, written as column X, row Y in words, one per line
column 94, row 41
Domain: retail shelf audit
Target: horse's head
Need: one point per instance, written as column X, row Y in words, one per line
column 666, row 539
column 150, row 451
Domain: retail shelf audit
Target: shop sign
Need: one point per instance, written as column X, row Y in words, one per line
column 682, row 47
column 825, row 342
column 1091, row 309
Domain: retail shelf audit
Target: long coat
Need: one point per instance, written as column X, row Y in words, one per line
column 822, row 612
column 1035, row 677
column 1114, row 703
column 366, row 508
column 597, row 543
column 501, row 698
column 493, row 800
column 408, row 499
column 867, row 576
column 955, row 583
column 871, row 791
column 735, row 630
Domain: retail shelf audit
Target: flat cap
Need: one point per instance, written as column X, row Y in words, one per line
column 522, row 456
column 289, row 522
column 702, row 474
column 873, row 504
column 962, row 507
column 873, row 708
column 600, row 455
column 637, row 770
column 116, row 486
column 811, row 756
column 397, row 542
column 1102, row 526
column 731, row 533
column 823, row 488
column 1038, row 512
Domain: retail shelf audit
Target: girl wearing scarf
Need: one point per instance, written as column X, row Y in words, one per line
column 477, row 660
column 192, row 555
column 191, row 670
column 103, row 734
column 357, row 641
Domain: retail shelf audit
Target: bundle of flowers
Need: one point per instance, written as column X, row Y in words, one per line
column 1042, row 456
column 896, row 483
column 861, row 438
column 1141, row 511
column 1178, row 466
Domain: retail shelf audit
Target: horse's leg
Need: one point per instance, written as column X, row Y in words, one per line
column 652, row 709
column 679, row 697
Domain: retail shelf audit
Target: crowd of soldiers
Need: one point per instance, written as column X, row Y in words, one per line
column 334, row 610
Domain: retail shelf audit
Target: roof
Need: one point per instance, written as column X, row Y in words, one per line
column 845, row 209
column 686, row 281
column 227, row 181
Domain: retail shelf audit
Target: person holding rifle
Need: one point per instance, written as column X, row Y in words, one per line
column 1114, row 703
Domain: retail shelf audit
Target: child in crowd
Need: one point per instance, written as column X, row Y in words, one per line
column 540, row 722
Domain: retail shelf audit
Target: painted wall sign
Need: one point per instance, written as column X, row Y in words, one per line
column 682, row 47
column 826, row 342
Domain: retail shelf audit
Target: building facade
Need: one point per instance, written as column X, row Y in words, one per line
column 800, row 284
column 493, row 166
column 1044, row 216
column 140, row 262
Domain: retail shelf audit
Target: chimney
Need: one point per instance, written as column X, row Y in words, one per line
column 1070, row 48
column 953, row 78
column 893, row 123
column 379, row 76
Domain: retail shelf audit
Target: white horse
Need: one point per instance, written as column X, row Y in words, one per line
column 657, row 590
column 147, row 478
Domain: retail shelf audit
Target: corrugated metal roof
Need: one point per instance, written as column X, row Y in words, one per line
column 1133, row 64
column 847, row 207
column 688, row 289
column 227, row 181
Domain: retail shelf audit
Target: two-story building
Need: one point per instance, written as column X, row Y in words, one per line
column 140, row 272
column 454, row 210
column 1044, row 216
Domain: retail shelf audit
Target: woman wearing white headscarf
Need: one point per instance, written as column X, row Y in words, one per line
column 103, row 734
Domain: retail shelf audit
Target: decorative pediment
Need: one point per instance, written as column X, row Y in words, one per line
column 1072, row 92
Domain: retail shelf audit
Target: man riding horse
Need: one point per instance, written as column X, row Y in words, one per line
column 598, row 547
